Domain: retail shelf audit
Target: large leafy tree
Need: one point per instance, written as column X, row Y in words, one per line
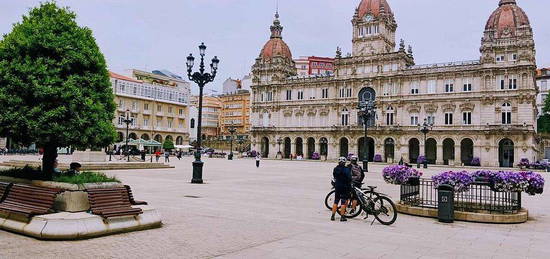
column 54, row 85
column 168, row 144
column 544, row 120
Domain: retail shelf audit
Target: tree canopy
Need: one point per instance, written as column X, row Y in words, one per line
column 54, row 84
column 168, row 144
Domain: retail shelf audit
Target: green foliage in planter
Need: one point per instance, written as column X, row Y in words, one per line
column 30, row 173
column 86, row 177
column 54, row 85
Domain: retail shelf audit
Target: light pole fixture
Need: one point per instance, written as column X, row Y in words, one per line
column 232, row 131
column 128, row 121
column 424, row 128
column 201, row 78
column 367, row 111
column 279, row 142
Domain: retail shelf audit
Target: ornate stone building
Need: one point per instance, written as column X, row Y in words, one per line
column 483, row 108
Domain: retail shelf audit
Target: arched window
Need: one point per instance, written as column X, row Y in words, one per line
column 345, row 117
column 506, row 113
column 193, row 123
column 390, row 115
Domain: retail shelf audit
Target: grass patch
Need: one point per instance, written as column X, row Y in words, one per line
column 31, row 173
column 86, row 177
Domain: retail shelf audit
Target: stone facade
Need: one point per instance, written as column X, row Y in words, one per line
column 160, row 112
column 484, row 108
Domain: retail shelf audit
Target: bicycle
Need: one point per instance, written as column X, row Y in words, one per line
column 370, row 202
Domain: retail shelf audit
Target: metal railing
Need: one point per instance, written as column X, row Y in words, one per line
column 479, row 198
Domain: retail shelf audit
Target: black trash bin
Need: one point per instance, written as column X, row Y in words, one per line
column 445, row 203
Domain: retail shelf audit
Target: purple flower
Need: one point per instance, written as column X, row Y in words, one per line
column 377, row 158
column 461, row 181
column 421, row 159
column 315, row 156
column 510, row 182
column 524, row 162
column 399, row 174
column 475, row 161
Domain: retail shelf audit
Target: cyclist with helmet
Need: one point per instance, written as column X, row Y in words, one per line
column 342, row 185
column 357, row 175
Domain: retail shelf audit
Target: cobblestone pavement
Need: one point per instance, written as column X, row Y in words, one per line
column 277, row 211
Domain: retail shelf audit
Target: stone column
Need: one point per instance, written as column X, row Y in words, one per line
column 439, row 154
column 318, row 146
column 333, row 151
column 292, row 148
column 458, row 155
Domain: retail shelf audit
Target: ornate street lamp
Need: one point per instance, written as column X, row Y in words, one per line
column 231, row 131
column 425, row 128
column 279, row 142
column 201, row 79
column 367, row 111
column 128, row 121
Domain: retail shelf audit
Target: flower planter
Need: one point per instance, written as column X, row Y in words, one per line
column 533, row 191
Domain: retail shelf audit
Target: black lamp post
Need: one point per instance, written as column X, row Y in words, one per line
column 201, row 78
column 231, row 131
column 367, row 111
column 128, row 121
column 425, row 128
column 279, row 142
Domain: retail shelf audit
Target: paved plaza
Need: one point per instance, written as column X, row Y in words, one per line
column 277, row 211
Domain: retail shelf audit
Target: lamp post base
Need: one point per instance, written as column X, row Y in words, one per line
column 197, row 172
column 425, row 164
column 230, row 156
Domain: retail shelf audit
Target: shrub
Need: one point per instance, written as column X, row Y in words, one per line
column 475, row 161
column 460, row 181
column 378, row 158
column 253, row 153
column 30, row 173
column 86, row 177
column 399, row 174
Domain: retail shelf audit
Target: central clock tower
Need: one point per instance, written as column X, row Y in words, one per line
column 374, row 28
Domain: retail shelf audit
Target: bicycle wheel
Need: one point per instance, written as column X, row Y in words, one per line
column 384, row 210
column 329, row 200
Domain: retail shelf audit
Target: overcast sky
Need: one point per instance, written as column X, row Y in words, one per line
column 159, row 34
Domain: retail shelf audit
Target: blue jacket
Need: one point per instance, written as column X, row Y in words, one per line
column 342, row 177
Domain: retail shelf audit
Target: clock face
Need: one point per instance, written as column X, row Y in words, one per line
column 368, row 18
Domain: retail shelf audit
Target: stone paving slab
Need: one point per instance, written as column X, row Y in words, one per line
column 277, row 211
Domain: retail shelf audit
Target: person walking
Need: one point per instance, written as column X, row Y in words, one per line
column 342, row 185
column 179, row 155
column 166, row 156
column 258, row 158
column 157, row 156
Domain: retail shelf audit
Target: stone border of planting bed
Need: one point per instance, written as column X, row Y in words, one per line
column 93, row 166
column 520, row 217
column 80, row 225
column 72, row 221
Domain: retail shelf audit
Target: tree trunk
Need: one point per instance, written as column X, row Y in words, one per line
column 48, row 160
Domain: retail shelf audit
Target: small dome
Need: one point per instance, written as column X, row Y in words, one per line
column 506, row 19
column 275, row 47
column 374, row 8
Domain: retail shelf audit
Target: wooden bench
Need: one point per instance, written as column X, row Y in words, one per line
column 4, row 188
column 111, row 202
column 29, row 200
column 131, row 197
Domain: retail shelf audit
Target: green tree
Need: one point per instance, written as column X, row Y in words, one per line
column 54, row 85
column 543, row 124
column 168, row 144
